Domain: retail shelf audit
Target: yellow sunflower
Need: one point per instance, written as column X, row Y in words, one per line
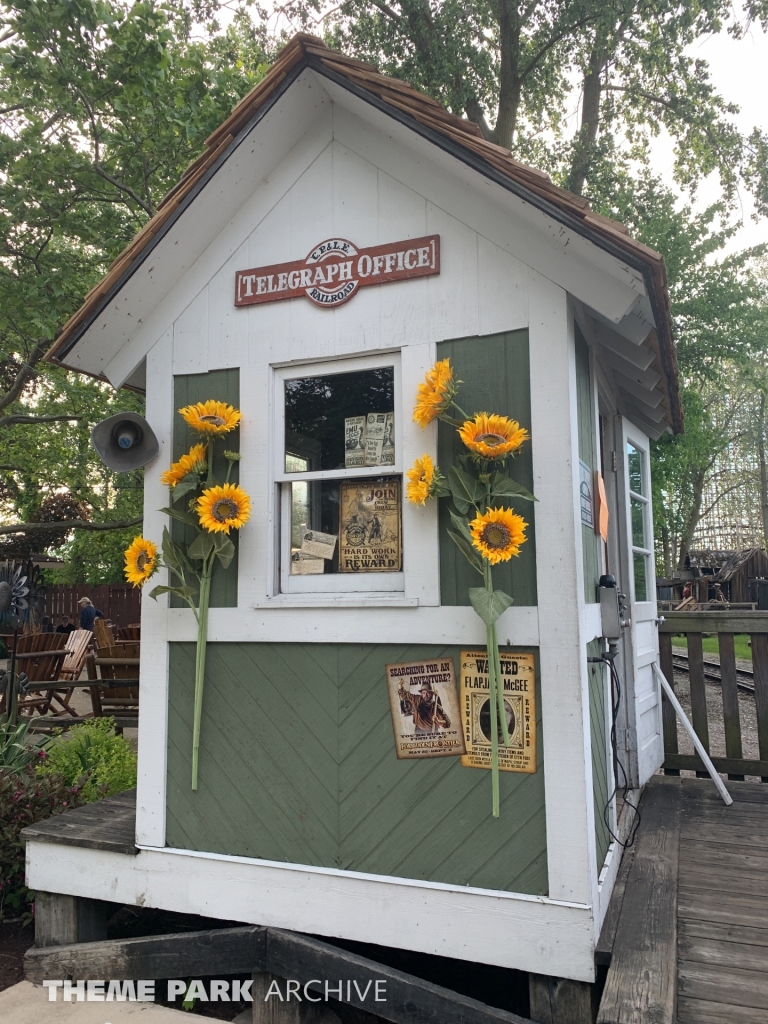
column 498, row 534
column 211, row 417
column 435, row 394
column 220, row 508
column 140, row 561
column 195, row 461
column 424, row 479
column 492, row 437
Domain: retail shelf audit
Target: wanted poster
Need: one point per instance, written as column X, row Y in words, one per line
column 518, row 674
column 369, row 526
column 425, row 710
column 354, row 441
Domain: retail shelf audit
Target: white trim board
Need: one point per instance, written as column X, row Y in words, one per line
column 528, row 933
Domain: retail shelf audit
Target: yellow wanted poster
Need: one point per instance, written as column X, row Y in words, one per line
column 425, row 711
column 369, row 526
column 518, row 673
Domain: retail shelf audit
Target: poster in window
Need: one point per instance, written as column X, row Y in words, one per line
column 518, row 673
column 354, row 441
column 425, row 711
column 369, row 526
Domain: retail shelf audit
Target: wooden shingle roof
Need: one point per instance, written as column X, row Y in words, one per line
column 462, row 137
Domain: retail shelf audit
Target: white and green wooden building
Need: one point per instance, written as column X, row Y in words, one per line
column 304, row 818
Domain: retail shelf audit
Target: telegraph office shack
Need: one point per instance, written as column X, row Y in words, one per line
column 340, row 234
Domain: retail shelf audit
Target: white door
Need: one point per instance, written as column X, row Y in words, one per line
column 643, row 696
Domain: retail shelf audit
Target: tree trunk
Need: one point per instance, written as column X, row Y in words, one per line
column 590, row 121
column 694, row 515
column 510, row 86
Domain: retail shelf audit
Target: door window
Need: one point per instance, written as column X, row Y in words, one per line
column 640, row 525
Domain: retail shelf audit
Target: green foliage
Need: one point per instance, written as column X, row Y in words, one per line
column 93, row 749
column 25, row 798
column 15, row 750
column 103, row 103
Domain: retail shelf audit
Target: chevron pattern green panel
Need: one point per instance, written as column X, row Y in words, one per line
column 297, row 764
column 599, row 735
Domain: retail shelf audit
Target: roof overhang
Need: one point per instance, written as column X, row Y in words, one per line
column 636, row 308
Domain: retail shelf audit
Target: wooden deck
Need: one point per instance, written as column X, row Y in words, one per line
column 686, row 936
column 106, row 825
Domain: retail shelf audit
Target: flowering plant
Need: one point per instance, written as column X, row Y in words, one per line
column 212, row 510
column 485, row 529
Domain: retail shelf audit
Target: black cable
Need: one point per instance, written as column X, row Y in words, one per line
column 615, row 704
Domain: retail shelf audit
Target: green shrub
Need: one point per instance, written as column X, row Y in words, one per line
column 25, row 799
column 94, row 749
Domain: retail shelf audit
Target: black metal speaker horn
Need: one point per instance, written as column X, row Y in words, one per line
column 125, row 441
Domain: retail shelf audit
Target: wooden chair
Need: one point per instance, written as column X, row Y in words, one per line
column 130, row 633
column 78, row 643
column 118, row 661
column 103, row 633
column 40, row 656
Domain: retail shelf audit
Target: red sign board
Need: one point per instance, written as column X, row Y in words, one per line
column 334, row 271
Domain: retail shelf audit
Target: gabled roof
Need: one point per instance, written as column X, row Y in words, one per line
column 460, row 137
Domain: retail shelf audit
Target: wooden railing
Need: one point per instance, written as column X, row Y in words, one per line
column 724, row 625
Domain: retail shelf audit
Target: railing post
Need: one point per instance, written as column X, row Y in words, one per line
column 730, row 699
column 669, row 719
column 760, row 670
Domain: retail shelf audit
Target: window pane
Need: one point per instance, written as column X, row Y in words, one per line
column 641, row 577
column 637, row 509
column 340, row 420
column 635, row 460
column 362, row 536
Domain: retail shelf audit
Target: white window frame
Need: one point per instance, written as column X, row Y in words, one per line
column 645, row 500
column 329, row 583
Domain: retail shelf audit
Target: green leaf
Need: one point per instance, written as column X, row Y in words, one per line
column 467, row 550
column 465, row 489
column 225, row 549
column 185, row 593
column 461, row 525
column 489, row 606
column 201, row 547
column 183, row 517
column 504, row 487
column 185, row 485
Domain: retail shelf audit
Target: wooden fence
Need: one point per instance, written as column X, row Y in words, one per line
column 723, row 625
column 119, row 602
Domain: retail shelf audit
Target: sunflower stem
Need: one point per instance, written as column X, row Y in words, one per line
column 202, row 640
column 493, row 699
column 500, row 687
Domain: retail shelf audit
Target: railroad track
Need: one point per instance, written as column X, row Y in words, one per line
column 745, row 679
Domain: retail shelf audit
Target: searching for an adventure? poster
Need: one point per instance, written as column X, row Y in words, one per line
column 425, row 711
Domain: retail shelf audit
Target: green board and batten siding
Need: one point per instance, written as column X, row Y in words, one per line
column 297, row 764
column 495, row 371
column 591, row 561
column 585, row 408
column 189, row 388
column 599, row 736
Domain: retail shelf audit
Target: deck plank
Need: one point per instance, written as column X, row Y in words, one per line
column 697, row 1011
column 109, row 824
column 641, row 982
column 718, row 983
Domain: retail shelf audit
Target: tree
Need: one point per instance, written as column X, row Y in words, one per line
column 102, row 105
column 514, row 66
